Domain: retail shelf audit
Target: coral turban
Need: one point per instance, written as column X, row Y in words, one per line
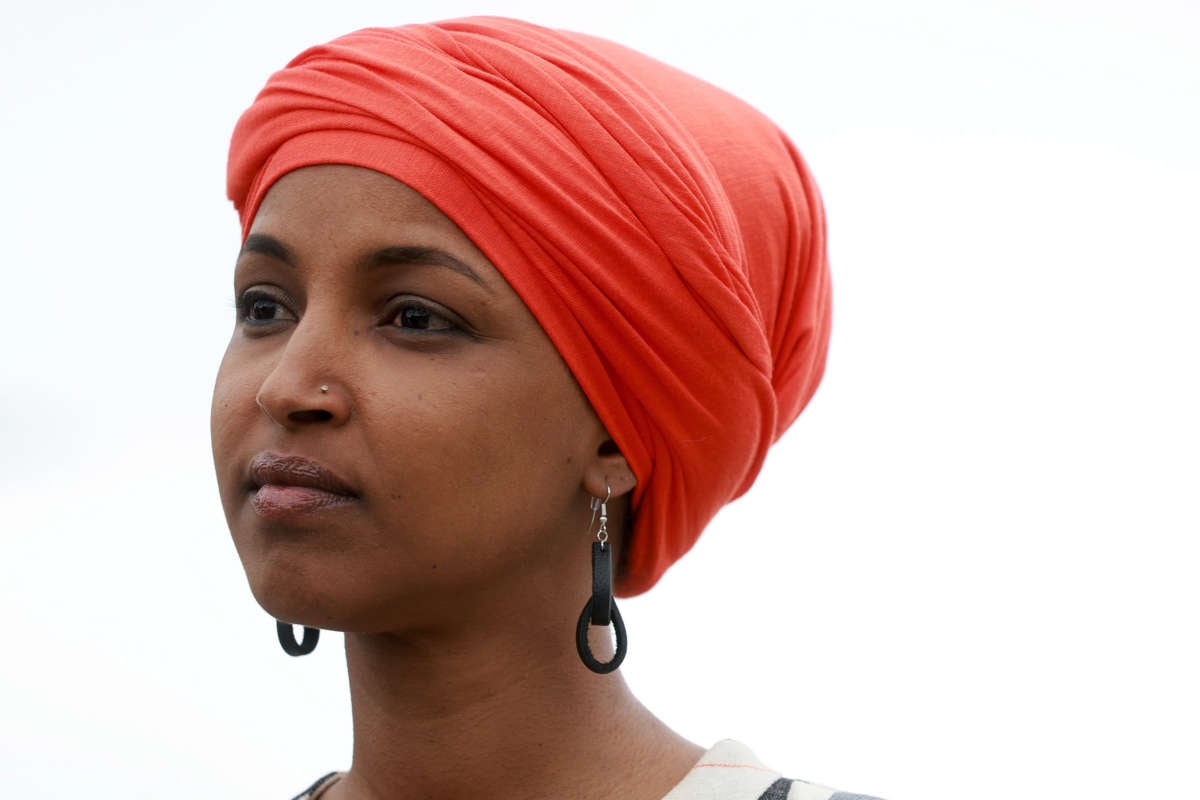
column 667, row 236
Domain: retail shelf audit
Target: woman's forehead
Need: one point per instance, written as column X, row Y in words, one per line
column 365, row 216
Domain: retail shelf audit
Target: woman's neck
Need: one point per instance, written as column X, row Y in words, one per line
column 510, row 713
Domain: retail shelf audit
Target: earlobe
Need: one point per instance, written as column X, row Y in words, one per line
column 608, row 470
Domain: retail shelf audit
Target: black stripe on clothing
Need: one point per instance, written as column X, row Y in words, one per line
column 314, row 787
column 777, row 790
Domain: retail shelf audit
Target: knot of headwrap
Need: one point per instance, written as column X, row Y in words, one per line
column 667, row 236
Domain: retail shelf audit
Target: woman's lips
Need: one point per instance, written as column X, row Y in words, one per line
column 287, row 486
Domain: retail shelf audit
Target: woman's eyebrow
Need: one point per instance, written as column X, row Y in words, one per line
column 266, row 245
column 425, row 256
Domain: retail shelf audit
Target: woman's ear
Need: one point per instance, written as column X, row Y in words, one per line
column 608, row 470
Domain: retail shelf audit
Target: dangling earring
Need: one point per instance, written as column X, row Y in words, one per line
column 600, row 608
column 287, row 639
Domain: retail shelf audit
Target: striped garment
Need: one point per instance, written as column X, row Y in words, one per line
column 729, row 771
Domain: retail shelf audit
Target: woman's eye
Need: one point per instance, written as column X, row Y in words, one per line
column 416, row 317
column 257, row 309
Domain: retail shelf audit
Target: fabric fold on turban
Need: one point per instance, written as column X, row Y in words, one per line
column 667, row 236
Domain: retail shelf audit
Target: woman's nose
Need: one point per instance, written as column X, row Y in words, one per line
column 307, row 384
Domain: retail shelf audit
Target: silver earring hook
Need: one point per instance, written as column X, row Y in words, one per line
column 602, row 507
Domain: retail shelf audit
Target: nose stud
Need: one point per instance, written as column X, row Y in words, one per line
column 324, row 388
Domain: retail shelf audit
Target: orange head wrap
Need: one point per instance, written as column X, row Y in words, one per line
column 667, row 236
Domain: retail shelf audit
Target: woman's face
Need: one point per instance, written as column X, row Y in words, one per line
column 395, row 436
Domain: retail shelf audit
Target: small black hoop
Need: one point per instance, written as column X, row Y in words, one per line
column 581, row 640
column 287, row 639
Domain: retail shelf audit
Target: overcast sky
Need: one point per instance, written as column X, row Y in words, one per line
column 968, row 571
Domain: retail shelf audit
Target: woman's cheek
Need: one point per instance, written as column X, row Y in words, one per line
column 232, row 414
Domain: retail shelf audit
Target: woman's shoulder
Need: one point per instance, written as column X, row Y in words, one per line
column 730, row 771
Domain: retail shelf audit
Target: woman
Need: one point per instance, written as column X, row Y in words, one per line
column 518, row 311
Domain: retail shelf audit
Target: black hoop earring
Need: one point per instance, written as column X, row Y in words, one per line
column 600, row 608
column 287, row 639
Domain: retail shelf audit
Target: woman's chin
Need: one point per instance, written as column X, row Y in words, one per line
column 289, row 595
column 325, row 604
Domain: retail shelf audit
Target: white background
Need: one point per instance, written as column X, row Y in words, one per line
column 969, row 571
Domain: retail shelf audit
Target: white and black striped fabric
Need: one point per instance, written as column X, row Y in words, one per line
column 729, row 771
column 782, row 790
